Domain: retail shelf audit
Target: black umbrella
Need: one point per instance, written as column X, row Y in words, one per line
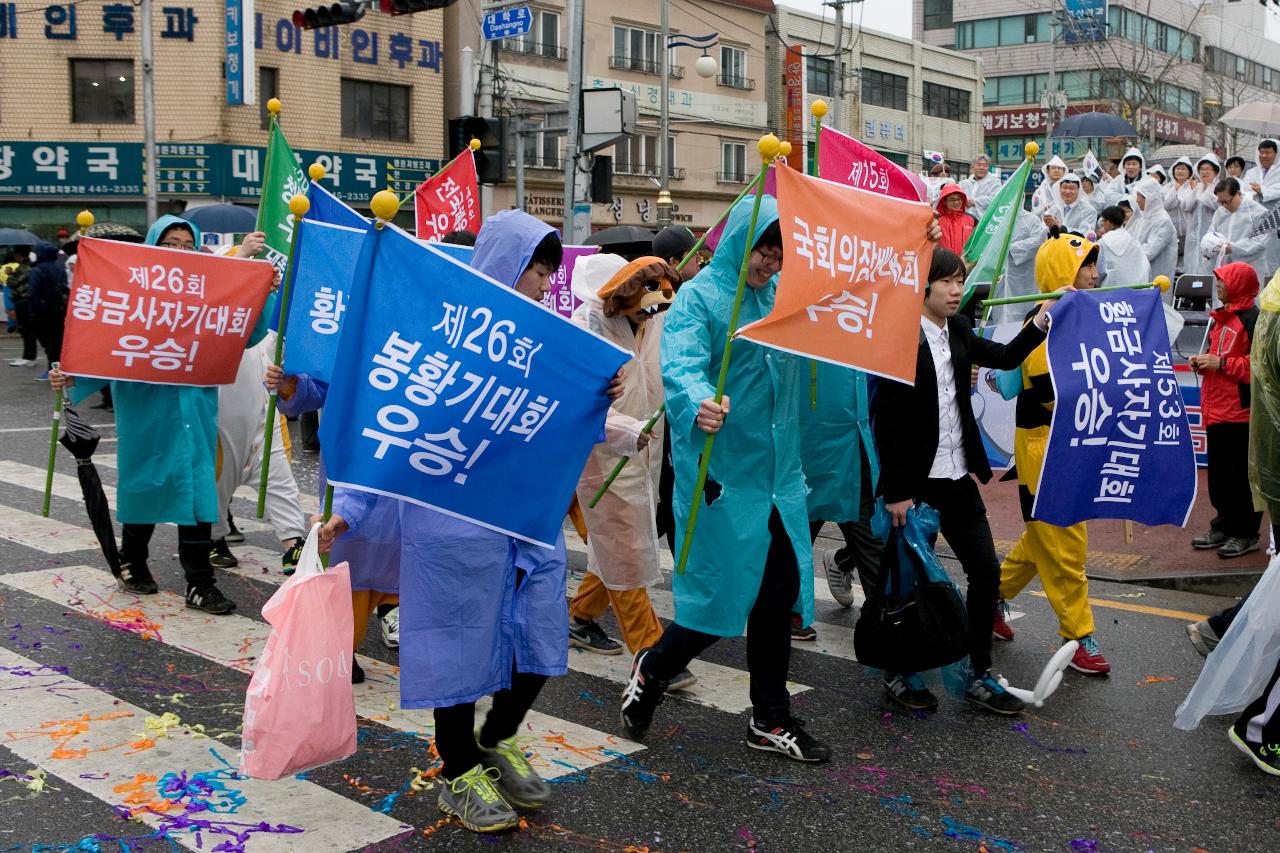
column 82, row 439
column 17, row 237
column 1083, row 125
column 630, row 241
column 223, row 218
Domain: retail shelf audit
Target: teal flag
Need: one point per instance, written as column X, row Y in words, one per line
column 282, row 180
column 988, row 245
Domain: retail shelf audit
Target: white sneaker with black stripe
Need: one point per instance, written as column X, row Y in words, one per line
column 788, row 738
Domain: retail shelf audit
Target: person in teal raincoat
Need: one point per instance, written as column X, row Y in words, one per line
column 737, row 578
column 838, row 454
column 167, row 452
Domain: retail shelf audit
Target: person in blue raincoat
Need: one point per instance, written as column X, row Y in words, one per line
column 841, row 467
column 482, row 613
column 167, row 450
column 737, row 577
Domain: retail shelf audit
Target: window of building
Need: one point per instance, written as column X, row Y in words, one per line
column 635, row 49
column 733, row 162
column 733, row 68
column 1003, row 32
column 638, row 155
column 882, row 89
column 375, row 110
column 268, row 88
column 1157, row 35
column 937, row 14
column 818, row 76
column 102, row 91
column 946, row 102
column 543, row 38
column 1015, row 90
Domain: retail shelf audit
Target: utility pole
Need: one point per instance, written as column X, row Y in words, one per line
column 574, row 9
column 149, row 112
column 664, row 120
column 835, row 103
column 1051, row 98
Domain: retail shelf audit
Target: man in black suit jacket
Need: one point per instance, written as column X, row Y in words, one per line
column 929, row 445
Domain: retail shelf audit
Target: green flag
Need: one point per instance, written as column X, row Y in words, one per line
column 988, row 245
column 281, row 181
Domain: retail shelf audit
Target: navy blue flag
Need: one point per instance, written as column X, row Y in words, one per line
column 1120, row 445
column 457, row 393
column 325, row 262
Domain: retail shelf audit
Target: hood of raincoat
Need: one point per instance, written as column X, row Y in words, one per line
column 734, row 243
column 1157, row 169
column 1153, row 194
column 156, row 232
column 1059, row 261
column 950, row 190
column 1054, row 161
column 592, row 272
column 505, row 245
column 1182, row 161
column 1270, row 298
column 1241, row 283
column 1133, row 153
column 45, row 252
column 1210, row 158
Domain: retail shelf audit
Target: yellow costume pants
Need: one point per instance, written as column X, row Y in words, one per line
column 1057, row 554
column 639, row 624
column 363, row 603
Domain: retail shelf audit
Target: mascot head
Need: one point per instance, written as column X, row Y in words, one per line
column 640, row 290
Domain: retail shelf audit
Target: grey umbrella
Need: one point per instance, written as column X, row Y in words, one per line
column 1083, row 125
column 223, row 218
column 17, row 237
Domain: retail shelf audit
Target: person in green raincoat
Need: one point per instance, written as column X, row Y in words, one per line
column 838, row 454
column 1264, row 408
column 736, row 579
column 167, row 452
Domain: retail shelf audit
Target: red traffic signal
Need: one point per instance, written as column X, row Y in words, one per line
column 329, row 14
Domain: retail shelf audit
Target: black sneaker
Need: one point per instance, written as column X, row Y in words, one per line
column 909, row 691
column 802, row 633
column 1238, row 546
column 233, row 533
column 290, row 558
column 987, row 692
column 1212, row 539
column 589, row 636
column 221, row 557
column 136, row 579
column 209, row 599
column 788, row 738
column 640, row 697
column 1265, row 756
column 357, row 671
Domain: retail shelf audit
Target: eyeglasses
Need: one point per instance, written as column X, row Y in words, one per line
column 771, row 259
column 186, row 245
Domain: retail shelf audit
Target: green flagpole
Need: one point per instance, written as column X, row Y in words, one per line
column 1161, row 283
column 622, row 463
column 58, row 403
column 702, row 241
column 768, row 147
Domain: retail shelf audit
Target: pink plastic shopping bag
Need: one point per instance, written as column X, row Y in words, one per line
column 299, row 711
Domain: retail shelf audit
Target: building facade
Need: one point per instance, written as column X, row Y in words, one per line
column 1170, row 67
column 898, row 96
column 715, row 122
column 365, row 99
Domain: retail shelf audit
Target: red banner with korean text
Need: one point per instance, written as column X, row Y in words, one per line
column 448, row 200
column 793, row 74
column 845, row 160
column 855, row 265
column 148, row 314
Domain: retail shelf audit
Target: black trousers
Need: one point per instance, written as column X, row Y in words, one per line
column 862, row 548
column 48, row 329
column 194, row 542
column 455, row 738
column 963, row 518
column 23, row 315
column 768, row 634
column 1229, row 481
column 1260, row 722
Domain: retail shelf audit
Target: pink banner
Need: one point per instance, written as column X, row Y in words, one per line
column 845, row 160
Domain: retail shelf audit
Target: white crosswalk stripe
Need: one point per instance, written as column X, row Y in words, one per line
column 560, row 747
column 94, row 741
column 44, row 534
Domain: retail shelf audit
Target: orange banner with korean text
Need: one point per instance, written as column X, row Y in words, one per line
column 150, row 314
column 854, row 269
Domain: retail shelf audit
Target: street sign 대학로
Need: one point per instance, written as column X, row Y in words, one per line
column 507, row 23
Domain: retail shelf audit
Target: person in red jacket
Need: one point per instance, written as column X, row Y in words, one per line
column 1224, row 402
column 956, row 224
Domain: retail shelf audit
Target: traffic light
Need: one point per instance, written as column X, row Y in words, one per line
column 329, row 14
column 408, row 7
column 491, row 159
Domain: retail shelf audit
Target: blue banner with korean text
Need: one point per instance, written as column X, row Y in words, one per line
column 1120, row 445
column 456, row 393
column 326, row 262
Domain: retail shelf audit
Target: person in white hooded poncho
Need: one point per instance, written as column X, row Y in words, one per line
column 1154, row 230
column 1046, row 195
column 1121, row 259
column 981, row 186
column 623, row 303
column 1198, row 207
column 1180, row 186
column 1133, row 167
column 1072, row 211
column 1029, row 233
column 1263, row 180
column 1229, row 236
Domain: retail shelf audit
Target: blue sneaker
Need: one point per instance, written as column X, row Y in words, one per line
column 908, row 690
column 987, row 692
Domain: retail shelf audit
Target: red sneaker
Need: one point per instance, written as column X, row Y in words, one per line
column 1001, row 630
column 1088, row 658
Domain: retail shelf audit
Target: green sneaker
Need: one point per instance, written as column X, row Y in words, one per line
column 289, row 561
column 473, row 799
column 221, row 557
column 519, row 784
